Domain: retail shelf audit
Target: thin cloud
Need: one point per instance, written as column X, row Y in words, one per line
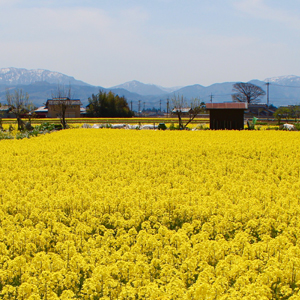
column 8, row 3
column 53, row 24
column 259, row 9
column 135, row 15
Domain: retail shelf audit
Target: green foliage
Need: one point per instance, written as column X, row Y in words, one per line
column 37, row 130
column 173, row 127
column 30, row 133
column 162, row 126
column 287, row 112
column 59, row 126
column 22, row 135
column 47, row 126
column 282, row 113
column 108, row 105
column 28, row 126
column 202, row 127
column 251, row 125
column 297, row 126
column 295, row 112
column 272, row 128
column 262, row 123
column 5, row 136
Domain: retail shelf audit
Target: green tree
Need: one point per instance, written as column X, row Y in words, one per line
column 108, row 105
column 282, row 113
column 295, row 112
column 20, row 105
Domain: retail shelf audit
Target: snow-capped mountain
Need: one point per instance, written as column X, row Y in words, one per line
column 285, row 80
column 40, row 85
column 15, row 76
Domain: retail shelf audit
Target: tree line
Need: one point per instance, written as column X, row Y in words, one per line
column 108, row 105
column 287, row 112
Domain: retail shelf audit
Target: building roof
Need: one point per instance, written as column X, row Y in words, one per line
column 56, row 101
column 41, row 109
column 5, row 107
column 182, row 109
column 255, row 105
column 229, row 105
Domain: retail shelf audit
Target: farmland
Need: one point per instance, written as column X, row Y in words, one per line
column 117, row 214
column 142, row 120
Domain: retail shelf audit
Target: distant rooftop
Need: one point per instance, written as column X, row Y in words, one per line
column 182, row 109
column 5, row 107
column 229, row 105
column 56, row 101
column 41, row 109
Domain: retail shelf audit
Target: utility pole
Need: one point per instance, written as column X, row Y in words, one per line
column 268, row 84
column 211, row 97
column 139, row 110
column 160, row 104
column 144, row 109
column 168, row 108
column 131, row 105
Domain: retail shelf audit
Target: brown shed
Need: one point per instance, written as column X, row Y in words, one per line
column 227, row 115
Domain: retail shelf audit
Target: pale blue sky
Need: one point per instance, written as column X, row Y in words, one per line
column 165, row 42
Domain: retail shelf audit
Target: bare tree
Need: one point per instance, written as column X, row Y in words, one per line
column 61, row 100
column 20, row 105
column 182, row 109
column 247, row 92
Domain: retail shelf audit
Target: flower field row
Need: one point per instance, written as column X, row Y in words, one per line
column 117, row 214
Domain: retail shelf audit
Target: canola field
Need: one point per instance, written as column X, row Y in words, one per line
column 119, row 214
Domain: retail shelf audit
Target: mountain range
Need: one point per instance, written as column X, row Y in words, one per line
column 42, row 84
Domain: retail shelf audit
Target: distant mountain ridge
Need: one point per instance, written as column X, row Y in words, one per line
column 143, row 89
column 13, row 76
column 40, row 84
column 284, row 90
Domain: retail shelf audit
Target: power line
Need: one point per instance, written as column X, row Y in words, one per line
column 168, row 107
column 139, row 109
column 221, row 95
column 286, row 86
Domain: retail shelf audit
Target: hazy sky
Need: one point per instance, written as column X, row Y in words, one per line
column 165, row 42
